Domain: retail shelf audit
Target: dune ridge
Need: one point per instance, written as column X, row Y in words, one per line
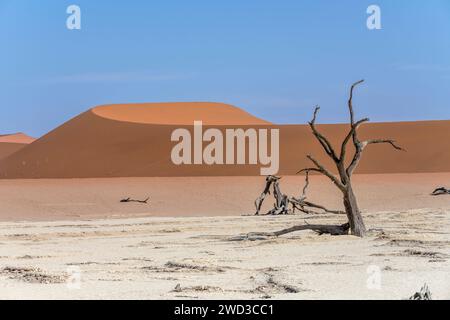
column 19, row 137
column 178, row 113
column 134, row 141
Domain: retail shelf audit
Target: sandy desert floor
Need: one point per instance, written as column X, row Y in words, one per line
column 193, row 257
column 77, row 229
column 56, row 199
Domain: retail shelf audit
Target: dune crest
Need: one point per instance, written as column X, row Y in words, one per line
column 178, row 113
column 19, row 137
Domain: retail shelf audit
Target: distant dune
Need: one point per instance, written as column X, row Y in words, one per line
column 16, row 138
column 134, row 141
column 11, row 143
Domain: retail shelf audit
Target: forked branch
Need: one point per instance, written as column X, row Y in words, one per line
column 350, row 134
column 320, row 168
column 360, row 145
column 321, row 138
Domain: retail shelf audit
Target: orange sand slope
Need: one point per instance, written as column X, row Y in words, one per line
column 134, row 140
column 11, row 143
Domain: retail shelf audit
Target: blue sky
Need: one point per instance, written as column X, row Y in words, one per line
column 276, row 59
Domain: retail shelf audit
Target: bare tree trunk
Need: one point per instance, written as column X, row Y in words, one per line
column 355, row 219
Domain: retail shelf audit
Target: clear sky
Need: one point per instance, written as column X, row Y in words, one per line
column 276, row 59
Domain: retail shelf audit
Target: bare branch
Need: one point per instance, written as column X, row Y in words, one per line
column 353, row 128
column 308, row 169
column 319, row 228
column 302, row 204
column 306, row 185
column 321, row 138
column 317, row 206
column 353, row 132
column 360, row 147
column 389, row 141
column 350, row 101
column 356, row 158
column 327, row 173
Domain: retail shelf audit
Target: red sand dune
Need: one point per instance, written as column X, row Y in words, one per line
column 11, row 143
column 134, row 140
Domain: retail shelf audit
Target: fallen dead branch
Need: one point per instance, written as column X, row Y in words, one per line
column 320, row 229
column 440, row 191
column 133, row 200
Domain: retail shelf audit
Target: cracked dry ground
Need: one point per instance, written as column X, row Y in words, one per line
column 168, row 258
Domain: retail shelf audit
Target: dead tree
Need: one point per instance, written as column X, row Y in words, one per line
column 282, row 201
column 440, row 191
column 259, row 201
column 133, row 200
column 285, row 204
column 343, row 180
column 344, row 169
